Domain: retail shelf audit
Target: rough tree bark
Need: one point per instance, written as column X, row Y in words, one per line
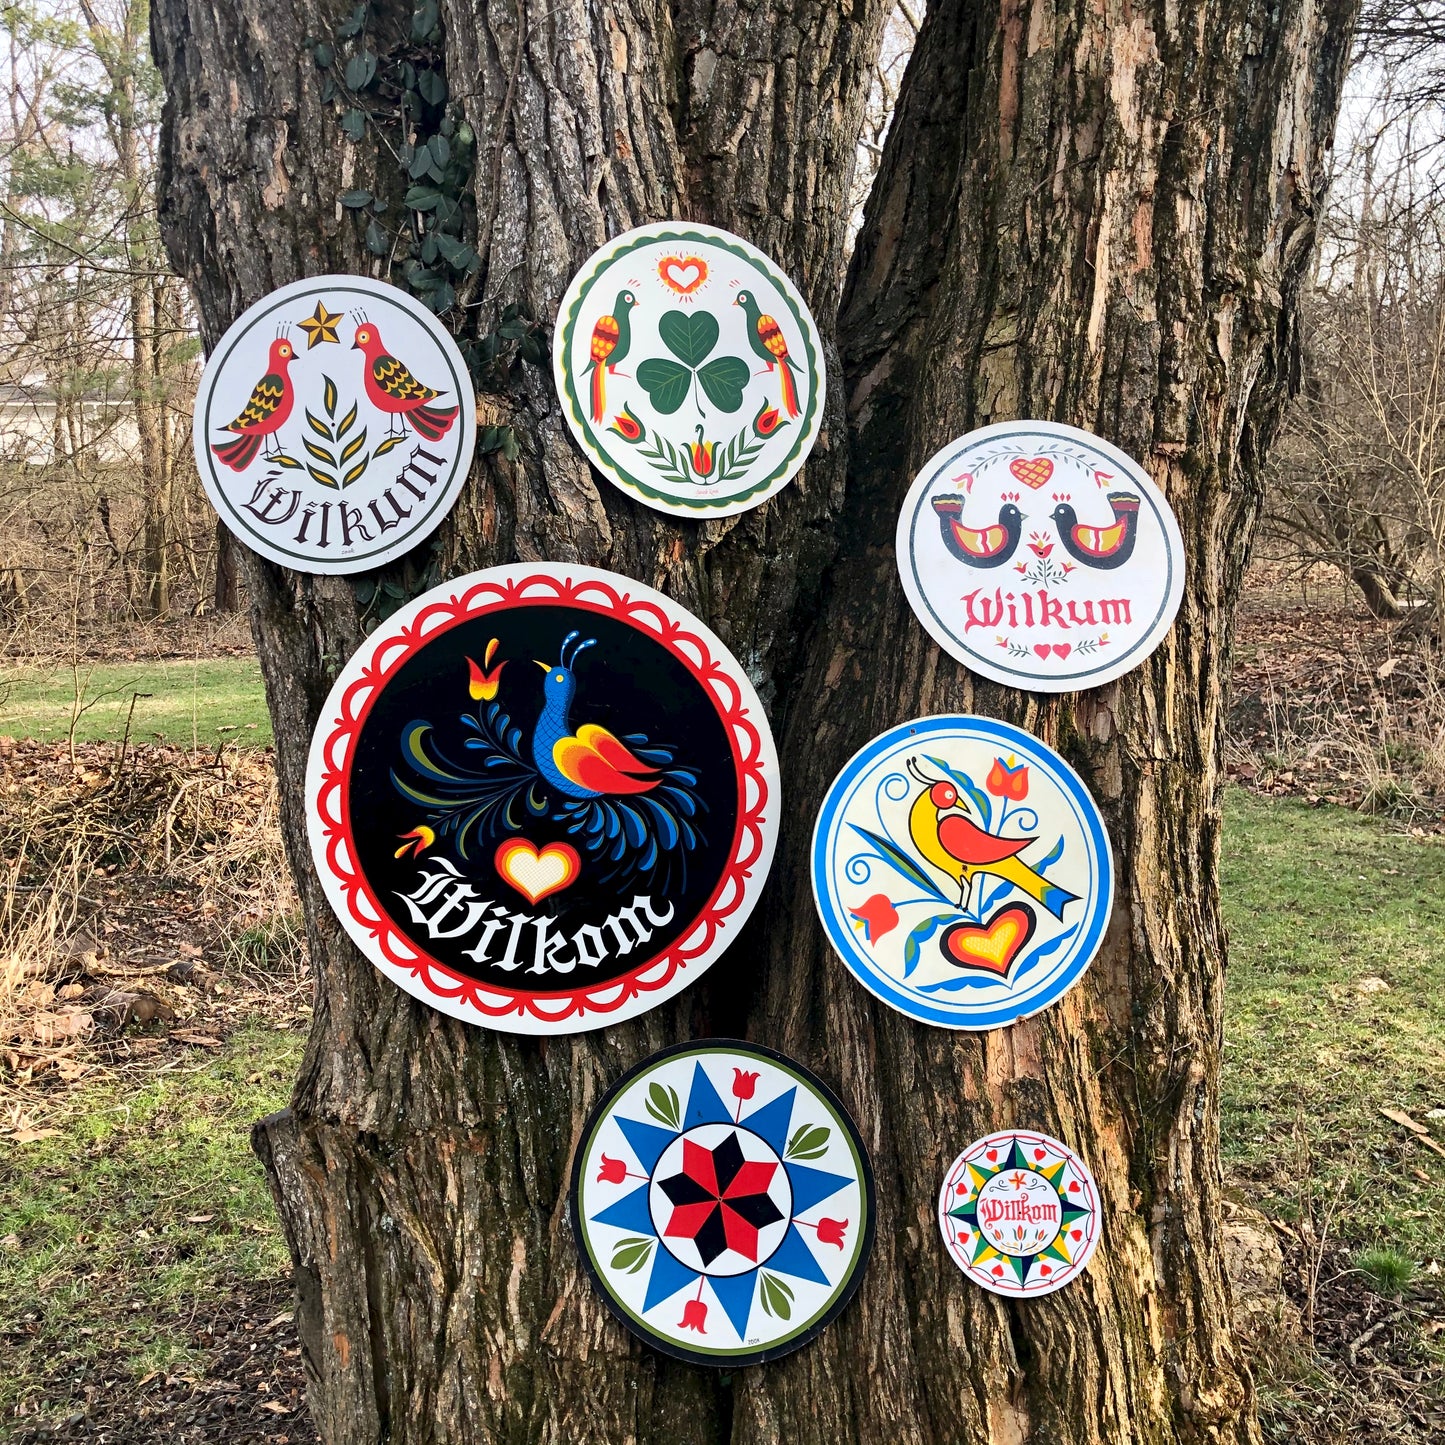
column 1093, row 213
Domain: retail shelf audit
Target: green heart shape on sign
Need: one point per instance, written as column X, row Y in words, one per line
column 689, row 336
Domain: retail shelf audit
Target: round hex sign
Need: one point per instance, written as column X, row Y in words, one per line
column 334, row 425
column 1040, row 556
column 542, row 799
column 723, row 1203
column 690, row 369
column 962, row 871
column 1019, row 1213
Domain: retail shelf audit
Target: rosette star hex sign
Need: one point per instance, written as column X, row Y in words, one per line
column 1019, row 1213
column 723, row 1203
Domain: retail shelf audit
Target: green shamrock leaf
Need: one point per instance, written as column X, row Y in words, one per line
column 724, row 379
column 665, row 382
column 689, row 335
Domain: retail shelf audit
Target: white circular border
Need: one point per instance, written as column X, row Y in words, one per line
column 466, row 401
column 586, row 275
column 1081, row 1262
column 947, row 457
column 366, row 662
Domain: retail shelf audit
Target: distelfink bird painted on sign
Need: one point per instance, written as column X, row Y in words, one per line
column 769, row 344
column 990, row 546
column 264, row 414
column 589, row 763
column 950, row 840
column 611, row 341
column 1101, row 547
column 628, row 803
column 391, row 388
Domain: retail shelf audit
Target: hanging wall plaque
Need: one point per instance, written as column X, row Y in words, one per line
column 334, row 424
column 723, row 1203
column 1040, row 556
column 1019, row 1213
column 962, row 871
column 690, row 369
column 542, row 798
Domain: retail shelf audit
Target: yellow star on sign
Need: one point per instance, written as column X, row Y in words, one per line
column 320, row 325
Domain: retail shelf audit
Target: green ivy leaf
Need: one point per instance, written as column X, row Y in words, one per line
column 422, row 198
column 431, row 87
column 360, row 70
column 353, row 124
column 355, row 200
column 376, row 239
column 689, row 335
column 724, row 379
column 665, row 382
column 324, row 56
column 424, row 20
column 352, row 25
column 441, row 151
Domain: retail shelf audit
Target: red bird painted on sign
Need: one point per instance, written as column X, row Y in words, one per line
column 264, row 414
column 391, row 388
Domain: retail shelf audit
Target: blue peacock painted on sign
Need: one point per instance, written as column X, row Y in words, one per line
column 629, row 803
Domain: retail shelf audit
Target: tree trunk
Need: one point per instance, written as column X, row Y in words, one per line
column 226, row 595
column 1096, row 217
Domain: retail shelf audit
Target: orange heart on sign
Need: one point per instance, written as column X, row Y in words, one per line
column 684, row 274
column 537, row 873
column 1032, row 471
column 993, row 946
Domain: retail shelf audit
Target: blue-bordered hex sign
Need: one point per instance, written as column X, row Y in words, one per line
column 962, row 871
column 723, row 1203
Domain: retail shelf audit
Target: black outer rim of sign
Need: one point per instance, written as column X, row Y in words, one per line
column 850, row 1287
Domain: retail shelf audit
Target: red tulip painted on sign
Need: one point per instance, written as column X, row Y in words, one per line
column 702, row 456
column 627, row 426
column 767, row 421
column 694, row 1316
column 613, row 1171
column 1008, row 780
column 830, row 1231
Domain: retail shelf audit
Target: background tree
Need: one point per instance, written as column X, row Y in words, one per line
column 1100, row 215
column 97, row 354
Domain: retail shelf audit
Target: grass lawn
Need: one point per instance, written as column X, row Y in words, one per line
column 1324, row 905
column 144, row 1210
column 185, row 703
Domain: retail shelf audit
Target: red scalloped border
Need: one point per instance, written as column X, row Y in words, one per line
column 332, row 802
